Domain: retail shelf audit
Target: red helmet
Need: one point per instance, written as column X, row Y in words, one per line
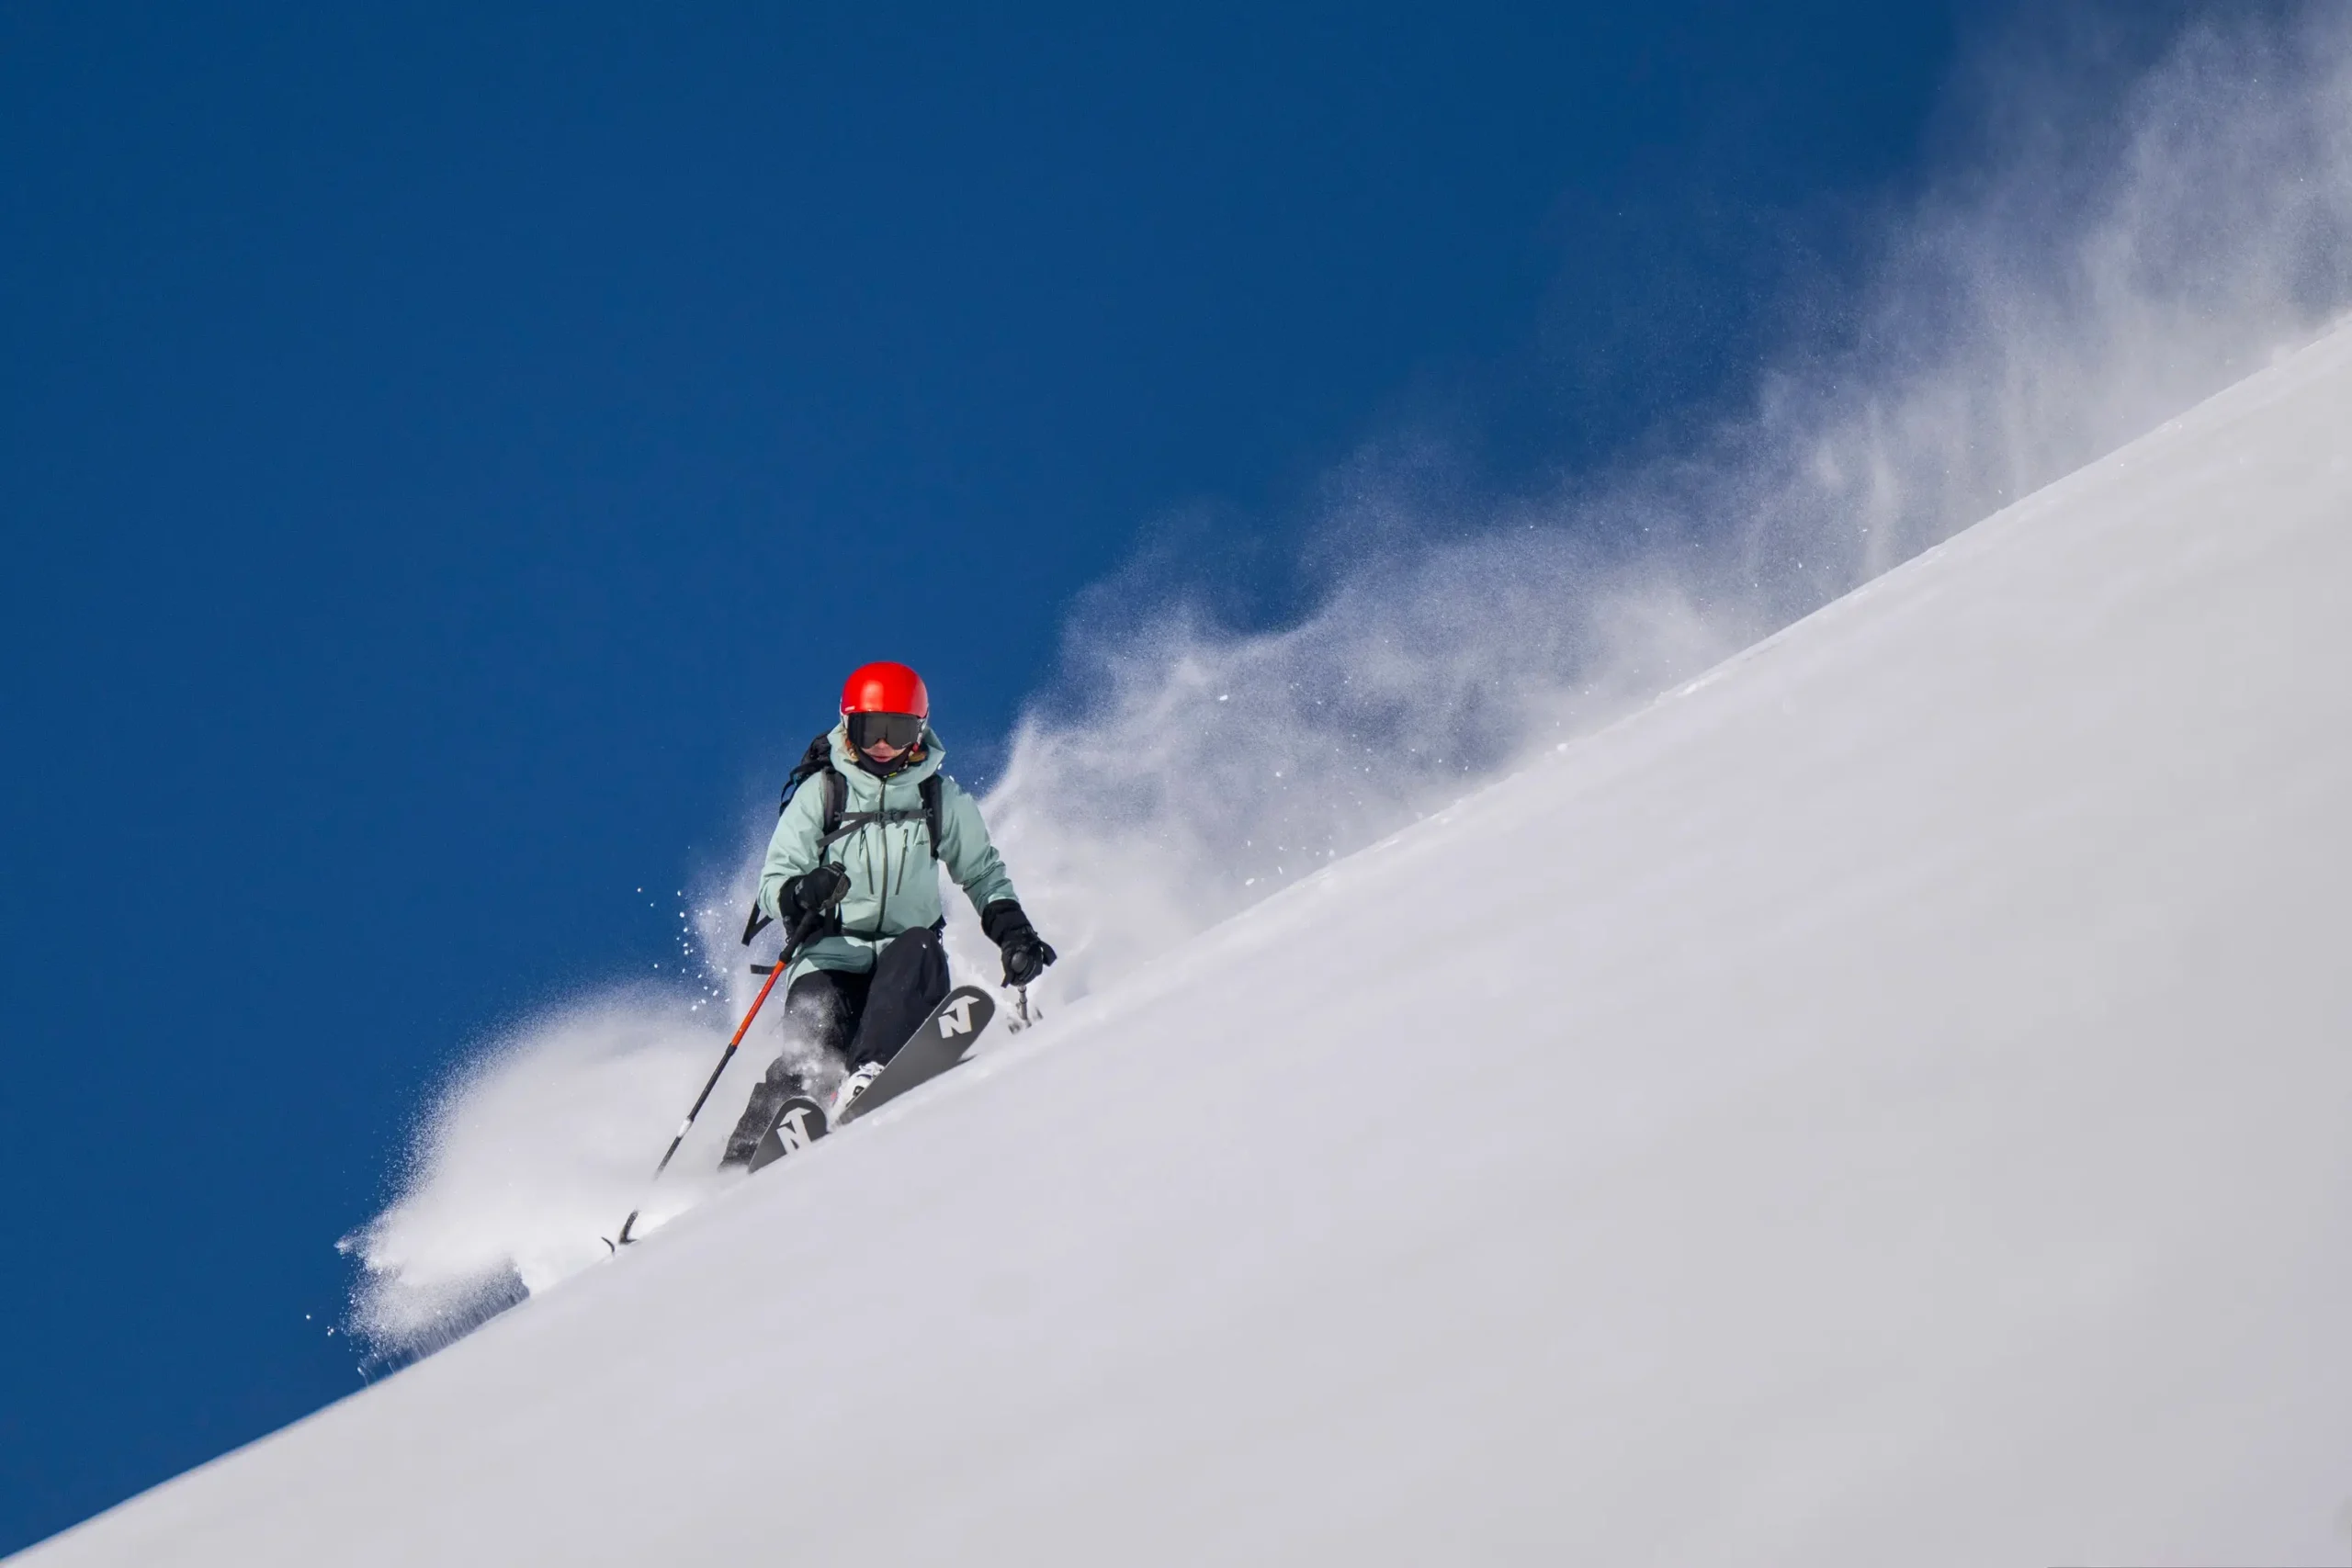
column 886, row 688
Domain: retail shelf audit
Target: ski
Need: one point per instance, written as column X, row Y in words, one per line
column 939, row 1043
column 799, row 1122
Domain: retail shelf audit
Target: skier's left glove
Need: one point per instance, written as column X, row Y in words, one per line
column 1026, row 953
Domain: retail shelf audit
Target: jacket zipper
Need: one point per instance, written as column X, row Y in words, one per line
column 881, row 827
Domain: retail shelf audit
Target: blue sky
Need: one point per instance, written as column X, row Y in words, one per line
column 449, row 456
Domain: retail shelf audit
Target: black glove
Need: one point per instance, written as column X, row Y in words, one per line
column 819, row 890
column 1026, row 953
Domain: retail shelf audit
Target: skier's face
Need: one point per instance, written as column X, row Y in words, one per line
column 883, row 737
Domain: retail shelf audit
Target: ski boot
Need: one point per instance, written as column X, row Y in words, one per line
column 861, row 1077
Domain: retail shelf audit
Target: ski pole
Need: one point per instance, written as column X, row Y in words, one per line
column 800, row 933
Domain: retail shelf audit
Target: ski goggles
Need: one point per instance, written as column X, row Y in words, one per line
column 900, row 731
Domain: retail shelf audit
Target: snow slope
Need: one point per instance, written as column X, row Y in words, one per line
column 1889, row 1101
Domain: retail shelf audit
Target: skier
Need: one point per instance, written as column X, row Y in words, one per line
column 858, row 989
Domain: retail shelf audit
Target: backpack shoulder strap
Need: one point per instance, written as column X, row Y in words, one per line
column 930, row 790
column 836, row 798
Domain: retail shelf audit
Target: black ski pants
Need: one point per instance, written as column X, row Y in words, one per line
column 859, row 1018
column 866, row 1018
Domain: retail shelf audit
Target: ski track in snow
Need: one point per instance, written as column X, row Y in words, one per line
column 1884, row 1103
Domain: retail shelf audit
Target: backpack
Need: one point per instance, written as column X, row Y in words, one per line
column 816, row 762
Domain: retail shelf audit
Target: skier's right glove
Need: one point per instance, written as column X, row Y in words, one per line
column 1026, row 953
column 815, row 893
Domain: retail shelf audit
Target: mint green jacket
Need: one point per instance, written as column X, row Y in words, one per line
column 892, row 864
